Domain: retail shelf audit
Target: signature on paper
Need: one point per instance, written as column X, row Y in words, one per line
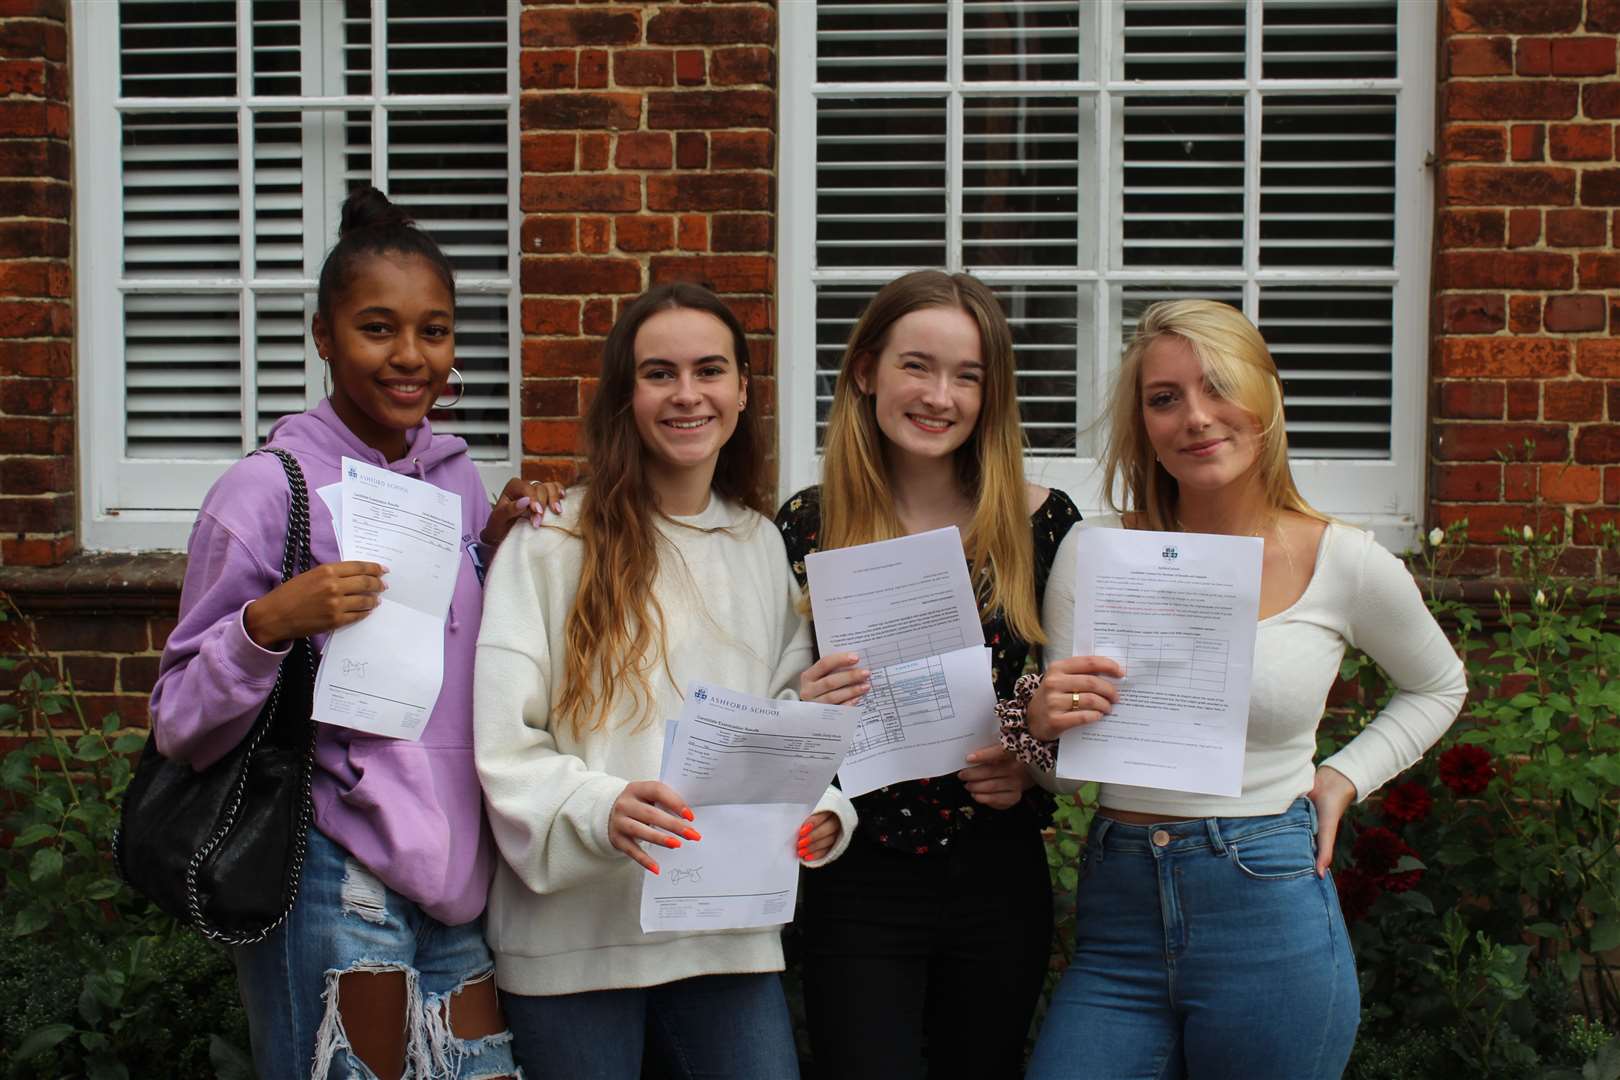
column 677, row 875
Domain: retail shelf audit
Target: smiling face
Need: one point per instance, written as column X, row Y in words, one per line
column 928, row 382
column 390, row 341
column 688, row 392
column 1203, row 439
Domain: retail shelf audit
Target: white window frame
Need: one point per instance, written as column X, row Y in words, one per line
column 1385, row 495
column 107, row 518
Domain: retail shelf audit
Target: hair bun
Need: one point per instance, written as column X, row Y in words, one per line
column 368, row 208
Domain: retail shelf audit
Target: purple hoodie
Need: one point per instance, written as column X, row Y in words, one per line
column 411, row 812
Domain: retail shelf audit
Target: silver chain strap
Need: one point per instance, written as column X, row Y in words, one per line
column 295, row 559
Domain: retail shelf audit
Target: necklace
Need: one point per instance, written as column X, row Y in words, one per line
column 1270, row 526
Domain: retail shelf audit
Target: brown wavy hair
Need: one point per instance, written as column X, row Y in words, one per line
column 614, row 634
column 857, row 506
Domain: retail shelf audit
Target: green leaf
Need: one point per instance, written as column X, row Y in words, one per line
column 46, row 863
column 1605, row 935
column 1544, row 930
column 8, row 713
column 33, row 835
column 1408, row 862
column 1416, row 901
column 129, row 743
column 40, row 1040
column 29, row 919
column 1570, row 964
column 1583, row 792
column 102, row 889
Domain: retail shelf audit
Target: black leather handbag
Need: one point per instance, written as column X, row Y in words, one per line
column 222, row 850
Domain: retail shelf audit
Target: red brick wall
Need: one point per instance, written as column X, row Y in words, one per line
column 1527, row 278
column 648, row 156
column 36, row 286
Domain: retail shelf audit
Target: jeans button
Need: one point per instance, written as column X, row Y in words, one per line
column 1160, row 838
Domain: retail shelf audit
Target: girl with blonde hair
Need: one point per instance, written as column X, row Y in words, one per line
column 1208, row 937
column 925, row 947
column 661, row 571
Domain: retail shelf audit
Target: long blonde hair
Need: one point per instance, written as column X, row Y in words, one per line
column 857, row 505
column 614, row 633
column 1239, row 367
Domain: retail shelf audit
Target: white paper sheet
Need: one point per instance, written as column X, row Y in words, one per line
column 752, row 769
column 895, row 600
column 906, row 607
column 383, row 674
column 922, row 718
column 1179, row 611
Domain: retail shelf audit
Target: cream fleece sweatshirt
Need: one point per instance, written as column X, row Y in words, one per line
column 564, row 913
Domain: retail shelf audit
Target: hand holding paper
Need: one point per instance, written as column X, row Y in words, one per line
column 751, row 769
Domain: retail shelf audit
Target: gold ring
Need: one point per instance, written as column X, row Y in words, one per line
column 1074, row 701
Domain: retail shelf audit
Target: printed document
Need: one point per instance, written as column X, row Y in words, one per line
column 752, row 769
column 906, row 607
column 383, row 674
column 1179, row 612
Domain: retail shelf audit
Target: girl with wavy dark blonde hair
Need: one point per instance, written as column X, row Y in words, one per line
column 660, row 572
column 926, row 945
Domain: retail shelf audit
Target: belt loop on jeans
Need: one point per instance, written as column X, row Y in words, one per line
column 1099, row 829
column 1311, row 807
column 1213, row 828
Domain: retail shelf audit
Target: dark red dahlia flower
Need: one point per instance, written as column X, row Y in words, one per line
column 1466, row 769
column 1407, row 803
column 1357, row 892
column 1377, row 850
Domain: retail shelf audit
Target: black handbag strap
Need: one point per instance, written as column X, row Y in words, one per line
column 295, row 555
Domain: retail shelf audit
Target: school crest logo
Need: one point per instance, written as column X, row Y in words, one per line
column 700, row 694
column 353, row 472
column 1170, row 554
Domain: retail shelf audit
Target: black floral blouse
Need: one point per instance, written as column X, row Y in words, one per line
column 924, row 816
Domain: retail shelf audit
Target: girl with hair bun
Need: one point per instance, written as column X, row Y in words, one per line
column 661, row 571
column 1208, row 937
column 925, row 947
column 381, row 967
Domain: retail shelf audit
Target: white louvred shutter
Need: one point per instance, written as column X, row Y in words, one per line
column 215, row 296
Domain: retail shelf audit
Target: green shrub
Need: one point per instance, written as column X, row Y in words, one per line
column 95, row 981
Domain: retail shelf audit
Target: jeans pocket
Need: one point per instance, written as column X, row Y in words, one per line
column 1276, row 856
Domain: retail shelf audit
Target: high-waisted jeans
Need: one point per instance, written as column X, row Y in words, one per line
column 1204, row 950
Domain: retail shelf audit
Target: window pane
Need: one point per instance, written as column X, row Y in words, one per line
column 182, row 376
column 483, row 348
column 432, row 52
column 837, row 308
column 278, row 194
column 281, row 330
column 1184, row 39
column 1131, row 300
column 1183, row 181
column 1333, row 345
column 1047, row 327
column 449, row 170
column 862, row 41
column 182, row 194
column 1020, row 181
column 178, row 50
column 1327, row 181
column 1021, row 40
column 880, row 182
column 1347, row 39
column 276, row 33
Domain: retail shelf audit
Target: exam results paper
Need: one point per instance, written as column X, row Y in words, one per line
column 752, row 769
column 906, row 607
column 1179, row 612
column 383, row 674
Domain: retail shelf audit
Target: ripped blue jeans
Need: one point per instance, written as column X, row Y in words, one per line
column 347, row 920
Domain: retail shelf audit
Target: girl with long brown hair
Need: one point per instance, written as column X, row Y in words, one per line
column 926, row 945
column 662, row 570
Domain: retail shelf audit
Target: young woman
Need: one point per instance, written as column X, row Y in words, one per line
column 381, row 965
column 924, row 948
column 1208, row 937
column 660, row 572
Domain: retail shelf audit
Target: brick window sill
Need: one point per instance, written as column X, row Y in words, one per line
column 99, row 581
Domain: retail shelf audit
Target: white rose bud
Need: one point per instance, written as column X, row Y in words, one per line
column 1529, row 534
column 1541, row 598
column 1436, row 535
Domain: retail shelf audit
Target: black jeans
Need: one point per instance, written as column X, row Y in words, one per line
column 927, row 965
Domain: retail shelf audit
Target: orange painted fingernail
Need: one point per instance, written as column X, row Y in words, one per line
column 691, row 834
column 671, row 842
column 804, row 829
column 653, row 868
column 686, row 812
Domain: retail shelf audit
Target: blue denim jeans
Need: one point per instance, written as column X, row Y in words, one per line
column 709, row 1026
column 1204, row 949
column 347, row 920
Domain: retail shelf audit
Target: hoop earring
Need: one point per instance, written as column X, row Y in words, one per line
column 326, row 376
column 461, row 390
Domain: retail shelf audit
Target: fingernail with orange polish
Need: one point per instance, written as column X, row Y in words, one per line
column 686, row 813
column 653, row 868
column 692, row 834
column 671, row 842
